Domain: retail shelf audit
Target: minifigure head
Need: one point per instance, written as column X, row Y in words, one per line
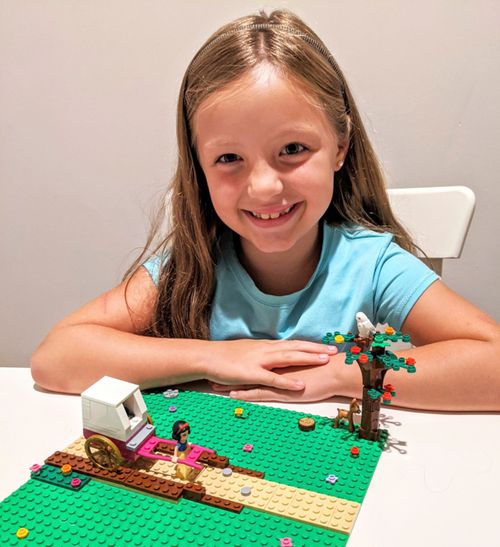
column 180, row 431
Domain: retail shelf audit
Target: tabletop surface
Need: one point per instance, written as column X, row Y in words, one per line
column 436, row 484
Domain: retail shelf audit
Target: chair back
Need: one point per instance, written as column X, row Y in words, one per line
column 438, row 219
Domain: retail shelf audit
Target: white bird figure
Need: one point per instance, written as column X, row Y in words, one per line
column 365, row 326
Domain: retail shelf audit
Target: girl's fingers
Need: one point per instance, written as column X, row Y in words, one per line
column 309, row 347
column 287, row 358
column 277, row 381
column 229, row 387
column 272, row 380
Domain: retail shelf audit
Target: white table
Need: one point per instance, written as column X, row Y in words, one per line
column 439, row 486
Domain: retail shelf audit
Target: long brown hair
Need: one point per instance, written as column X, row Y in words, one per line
column 187, row 279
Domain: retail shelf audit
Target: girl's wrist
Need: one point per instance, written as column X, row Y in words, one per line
column 187, row 359
column 204, row 358
column 347, row 379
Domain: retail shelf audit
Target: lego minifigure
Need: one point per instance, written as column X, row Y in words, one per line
column 180, row 433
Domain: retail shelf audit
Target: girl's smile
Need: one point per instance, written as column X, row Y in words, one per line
column 273, row 216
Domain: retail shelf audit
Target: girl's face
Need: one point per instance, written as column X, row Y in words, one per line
column 268, row 154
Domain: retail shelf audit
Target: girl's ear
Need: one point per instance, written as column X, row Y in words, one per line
column 343, row 147
column 341, row 154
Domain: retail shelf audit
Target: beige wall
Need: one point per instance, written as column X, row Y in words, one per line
column 87, row 102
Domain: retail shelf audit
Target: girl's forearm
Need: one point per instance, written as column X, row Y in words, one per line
column 453, row 375
column 71, row 358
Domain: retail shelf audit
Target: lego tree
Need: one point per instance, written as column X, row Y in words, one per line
column 374, row 358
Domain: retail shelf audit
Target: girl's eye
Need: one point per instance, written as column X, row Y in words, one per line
column 227, row 158
column 293, row 148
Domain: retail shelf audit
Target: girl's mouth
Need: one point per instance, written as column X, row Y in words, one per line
column 274, row 219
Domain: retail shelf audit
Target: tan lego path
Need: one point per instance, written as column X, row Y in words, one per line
column 270, row 497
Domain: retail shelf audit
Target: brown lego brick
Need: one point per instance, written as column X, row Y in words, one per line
column 220, row 503
column 60, row 458
column 214, row 460
column 165, row 448
column 193, row 491
column 249, row 472
column 205, row 456
column 153, row 485
column 83, row 465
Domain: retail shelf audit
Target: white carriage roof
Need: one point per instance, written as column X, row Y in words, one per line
column 110, row 391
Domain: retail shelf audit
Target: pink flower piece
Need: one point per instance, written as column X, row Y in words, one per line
column 35, row 468
column 75, row 483
column 248, row 447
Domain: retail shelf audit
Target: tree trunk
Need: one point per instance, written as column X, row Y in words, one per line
column 369, row 417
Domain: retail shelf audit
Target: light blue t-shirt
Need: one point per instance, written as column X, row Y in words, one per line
column 358, row 270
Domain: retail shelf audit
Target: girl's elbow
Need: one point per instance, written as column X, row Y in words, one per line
column 40, row 371
column 44, row 371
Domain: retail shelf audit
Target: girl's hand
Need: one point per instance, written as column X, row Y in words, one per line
column 250, row 362
column 320, row 383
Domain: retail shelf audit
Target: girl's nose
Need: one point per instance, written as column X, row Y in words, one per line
column 264, row 182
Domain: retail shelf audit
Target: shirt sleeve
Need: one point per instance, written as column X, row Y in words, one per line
column 153, row 267
column 400, row 278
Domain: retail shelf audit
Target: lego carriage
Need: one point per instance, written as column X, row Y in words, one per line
column 118, row 428
column 114, row 413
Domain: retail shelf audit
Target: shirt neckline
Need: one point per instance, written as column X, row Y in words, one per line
column 248, row 285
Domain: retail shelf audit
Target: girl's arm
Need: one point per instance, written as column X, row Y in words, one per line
column 458, row 362
column 457, row 353
column 103, row 338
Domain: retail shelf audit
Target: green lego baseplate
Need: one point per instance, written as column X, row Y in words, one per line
column 104, row 514
column 280, row 449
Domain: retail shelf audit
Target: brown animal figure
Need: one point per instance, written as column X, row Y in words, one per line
column 348, row 415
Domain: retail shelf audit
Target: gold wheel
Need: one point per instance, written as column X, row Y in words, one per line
column 103, row 452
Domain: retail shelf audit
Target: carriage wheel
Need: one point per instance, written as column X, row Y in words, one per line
column 103, row 452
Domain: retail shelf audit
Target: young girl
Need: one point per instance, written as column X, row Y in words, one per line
column 281, row 230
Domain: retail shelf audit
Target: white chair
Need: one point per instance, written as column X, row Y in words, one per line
column 438, row 219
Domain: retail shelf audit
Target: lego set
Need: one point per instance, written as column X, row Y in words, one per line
column 262, row 491
column 228, row 502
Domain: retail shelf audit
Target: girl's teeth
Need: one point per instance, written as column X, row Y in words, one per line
column 272, row 216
